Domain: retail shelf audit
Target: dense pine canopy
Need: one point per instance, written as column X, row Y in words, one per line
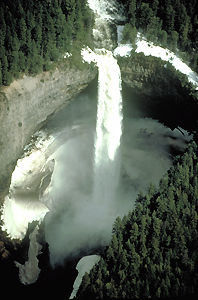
column 173, row 23
column 153, row 250
column 35, row 33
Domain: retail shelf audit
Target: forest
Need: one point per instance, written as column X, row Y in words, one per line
column 172, row 23
column 153, row 250
column 34, row 34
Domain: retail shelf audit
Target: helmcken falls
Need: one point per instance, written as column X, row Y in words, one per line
column 108, row 124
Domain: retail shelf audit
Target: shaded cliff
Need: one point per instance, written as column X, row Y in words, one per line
column 151, row 75
column 158, row 91
column 27, row 103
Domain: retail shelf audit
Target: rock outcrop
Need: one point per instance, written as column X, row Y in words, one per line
column 27, row 103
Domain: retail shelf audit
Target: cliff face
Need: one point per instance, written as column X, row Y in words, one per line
column 26, row 104
column 150, row 76
column 162, row 92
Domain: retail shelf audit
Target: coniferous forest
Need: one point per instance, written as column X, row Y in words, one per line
column 35, row 33
column 153, row 250
column 172, row 23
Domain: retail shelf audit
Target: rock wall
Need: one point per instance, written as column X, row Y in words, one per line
column 26, row 104
column 162, row 92
column 151, row 76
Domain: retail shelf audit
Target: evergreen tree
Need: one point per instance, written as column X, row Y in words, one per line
column 169, row 19
column 155, row 6
column 0, row 73
column 154, row 252
column 6, row 77
column 132, row 12
column 145, row 15
column 35, row 33
column 22, row 31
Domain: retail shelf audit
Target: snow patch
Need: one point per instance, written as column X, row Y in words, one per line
column 84, row 265
column 123, row 50
column 29, row 272
column 148, row 48
column 22, row 205
column 67, row 54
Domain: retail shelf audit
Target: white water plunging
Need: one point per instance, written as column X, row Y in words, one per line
column 109, row 114
column 106, row 13
column 108, row 125
column 107, row 9
column 109, row 111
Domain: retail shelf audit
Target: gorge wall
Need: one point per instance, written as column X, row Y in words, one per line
column 27, row 103
column 150, row 75
column 159, row 91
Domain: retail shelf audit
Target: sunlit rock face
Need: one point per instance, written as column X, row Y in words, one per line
column 29, row 181
column 26, row 104
column 149, row 48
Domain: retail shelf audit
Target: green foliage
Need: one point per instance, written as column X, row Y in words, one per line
column 153, row 251
column 145, row 15
column 172, row 23
column 33, row 34
column 0, row 74
column 132, row 11
column 173, row 40
column 129, row 34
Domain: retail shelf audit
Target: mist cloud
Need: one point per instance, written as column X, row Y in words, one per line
column 75, row 220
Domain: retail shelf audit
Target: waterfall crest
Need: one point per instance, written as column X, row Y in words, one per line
column 107, row 9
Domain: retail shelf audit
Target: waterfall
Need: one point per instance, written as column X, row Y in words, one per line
column 107, row 9
column 108, row 124
column 109, row 109
column 108, row 128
